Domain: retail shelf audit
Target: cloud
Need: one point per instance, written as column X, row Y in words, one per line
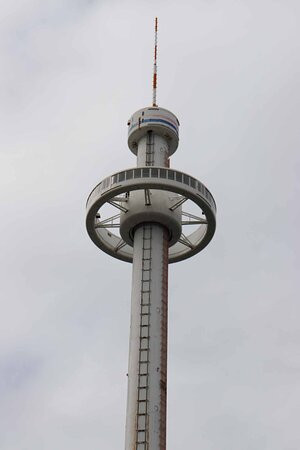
column 73, row 72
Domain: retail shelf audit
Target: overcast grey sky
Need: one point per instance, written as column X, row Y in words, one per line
column 72, row 72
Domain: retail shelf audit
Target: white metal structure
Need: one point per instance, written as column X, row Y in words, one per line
column 150, row 217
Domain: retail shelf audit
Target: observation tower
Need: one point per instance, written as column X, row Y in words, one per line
column 150, row 216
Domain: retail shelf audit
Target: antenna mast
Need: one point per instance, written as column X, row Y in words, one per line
column 155, row 64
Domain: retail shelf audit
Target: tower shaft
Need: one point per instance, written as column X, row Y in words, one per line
column 147, row 372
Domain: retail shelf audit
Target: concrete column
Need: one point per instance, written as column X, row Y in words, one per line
column 147, row 372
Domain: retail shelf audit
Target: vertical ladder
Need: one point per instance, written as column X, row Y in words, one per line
column 150, row 149
column 142, row 422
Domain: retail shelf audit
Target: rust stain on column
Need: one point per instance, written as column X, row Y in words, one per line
column 164, row 346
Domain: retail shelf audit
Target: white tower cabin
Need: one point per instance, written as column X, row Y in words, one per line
column 150, row 224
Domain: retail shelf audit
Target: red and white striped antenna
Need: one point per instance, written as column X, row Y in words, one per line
column 155, row 65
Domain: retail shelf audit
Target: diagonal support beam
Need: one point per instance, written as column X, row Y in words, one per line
column 107, row 225
column 147, row 197
column 116, row 205
column 179, row 203
column 108, row 220
column 185, row 241
column 120, row 245
column 119, row 199
column 192, row 219
column 192, row 216
column 193, row 222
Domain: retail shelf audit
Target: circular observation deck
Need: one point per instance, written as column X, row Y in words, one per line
column 115, row 190
column 153, row 118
